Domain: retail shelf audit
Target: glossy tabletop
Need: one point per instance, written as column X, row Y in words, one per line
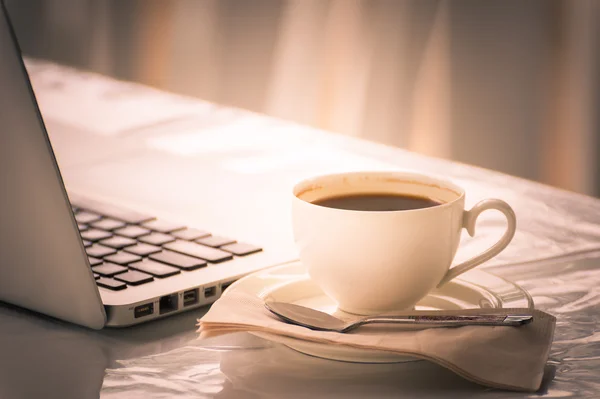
column 555, row 256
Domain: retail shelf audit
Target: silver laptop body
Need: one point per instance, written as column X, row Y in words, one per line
column 44, row 263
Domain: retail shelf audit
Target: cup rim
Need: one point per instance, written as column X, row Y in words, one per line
column 440, row 183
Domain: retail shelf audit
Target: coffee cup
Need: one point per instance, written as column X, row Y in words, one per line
column 378, row 242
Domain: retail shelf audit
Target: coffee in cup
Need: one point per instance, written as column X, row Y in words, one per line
column 378, row 242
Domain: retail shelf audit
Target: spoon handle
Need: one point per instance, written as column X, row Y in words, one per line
column 453, row 321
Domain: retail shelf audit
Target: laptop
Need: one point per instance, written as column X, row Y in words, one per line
column 86, row 261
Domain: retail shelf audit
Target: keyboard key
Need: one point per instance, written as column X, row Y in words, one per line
column 154, row 268
column 122, row 258
column 157, row 239
column 109, row 269
column 162, row 226
column 95, row 235
column 132, row 231
column 199, row 251
column 87, row 217
column 190, row 234
column 215, row 241
column 134, row 277
column 111, row 284
column 178, row 260
column 87, row 243
column 94, row 261
column 96, row 276
column 142, row 249
column 99, row 251
column 113, row 212
column 241, row 249
column 118, row 242
column 82, row 227
column 108, row 224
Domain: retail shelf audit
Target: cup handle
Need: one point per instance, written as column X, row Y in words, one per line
column 469, row 220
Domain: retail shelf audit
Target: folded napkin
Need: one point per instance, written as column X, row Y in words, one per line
column 501, row 357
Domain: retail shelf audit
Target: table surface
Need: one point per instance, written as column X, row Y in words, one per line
column 42, row 357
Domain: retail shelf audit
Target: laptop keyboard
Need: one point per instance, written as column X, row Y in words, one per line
column 127, row 248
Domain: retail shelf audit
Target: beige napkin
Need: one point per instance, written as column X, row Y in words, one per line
column 502, row 357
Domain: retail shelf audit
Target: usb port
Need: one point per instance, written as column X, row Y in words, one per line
column 143, row 310
column 190, row 297
column 226, row 285
column 210, row 291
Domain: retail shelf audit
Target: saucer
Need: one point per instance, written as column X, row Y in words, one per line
column 291, row 283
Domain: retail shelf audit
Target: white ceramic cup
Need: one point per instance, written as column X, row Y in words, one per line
column 374, row 262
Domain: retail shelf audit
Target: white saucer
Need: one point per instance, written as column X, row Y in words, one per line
column 291, row 283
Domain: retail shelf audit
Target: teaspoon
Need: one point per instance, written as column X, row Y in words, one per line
column 320, row 321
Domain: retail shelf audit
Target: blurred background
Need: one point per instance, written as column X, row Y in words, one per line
column 509, row 85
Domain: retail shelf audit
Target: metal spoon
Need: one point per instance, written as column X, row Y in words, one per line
column 317, row 320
